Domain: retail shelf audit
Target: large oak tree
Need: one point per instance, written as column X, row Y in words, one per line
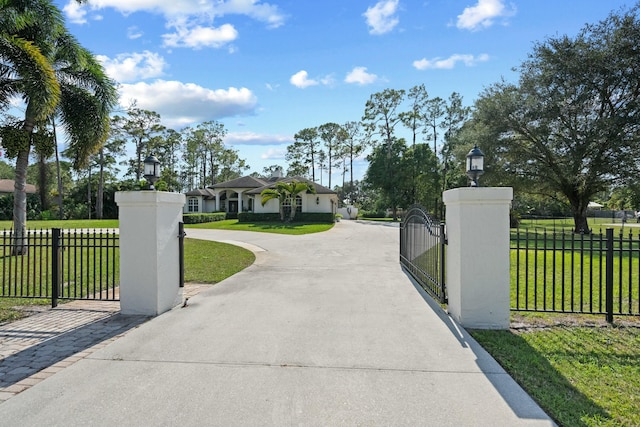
column 570, row 126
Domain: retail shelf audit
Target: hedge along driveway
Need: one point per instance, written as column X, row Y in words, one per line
column 265, row 227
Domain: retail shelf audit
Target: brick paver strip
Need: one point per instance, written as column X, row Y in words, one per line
column 38, row 346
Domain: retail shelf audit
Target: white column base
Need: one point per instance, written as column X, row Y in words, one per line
column 477, row 262
column 149, row 262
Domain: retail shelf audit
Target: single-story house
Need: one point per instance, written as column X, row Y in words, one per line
column 243, row 195
column 7, row 187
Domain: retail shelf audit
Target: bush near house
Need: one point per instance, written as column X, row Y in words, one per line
column 320, row 217
column 372, row 214
column 258, row 217
column 200, row 218
column 6, row 206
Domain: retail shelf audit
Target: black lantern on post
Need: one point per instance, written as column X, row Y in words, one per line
column 475, row 165
column 151, row 170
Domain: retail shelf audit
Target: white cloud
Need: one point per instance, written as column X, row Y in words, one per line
column 381, row 17
column 301, row 79
column 252, row 138
column 482, row 15
column 134, row 33
column 450, row 62
column 255, row 9
column 182, row 104
column 274, row 154
column 75, row 12
column 360, row 76
column 128, row 67
column 197, row 36
column 328, row 80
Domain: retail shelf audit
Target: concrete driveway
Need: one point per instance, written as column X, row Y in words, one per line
column 322, row 330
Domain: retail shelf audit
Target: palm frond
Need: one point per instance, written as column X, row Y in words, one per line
column 31, row 74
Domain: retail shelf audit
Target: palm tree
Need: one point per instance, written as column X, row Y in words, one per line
column 69, row 82
column 22, row 61
column 285, row 191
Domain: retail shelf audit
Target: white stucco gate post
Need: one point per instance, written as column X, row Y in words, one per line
column 149, row 262
column 477, row 261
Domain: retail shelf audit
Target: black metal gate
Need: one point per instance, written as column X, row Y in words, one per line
column 422, row 250
column 60, row 264
column 181, row 236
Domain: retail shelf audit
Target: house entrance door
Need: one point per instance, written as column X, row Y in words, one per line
column 233, row 206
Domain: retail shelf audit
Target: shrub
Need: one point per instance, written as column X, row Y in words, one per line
column 313, row 217
column 372, row 214
column 323, row 217
column 199, row 218
column 258, row 217
column 47, row 215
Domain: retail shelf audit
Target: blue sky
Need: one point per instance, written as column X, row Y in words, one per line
column 267, row 69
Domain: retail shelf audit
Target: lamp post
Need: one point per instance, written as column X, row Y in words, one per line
column 475, row 165
column 151, row 170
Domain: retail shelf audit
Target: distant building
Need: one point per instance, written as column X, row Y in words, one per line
column 243, row 195
column 7, row 187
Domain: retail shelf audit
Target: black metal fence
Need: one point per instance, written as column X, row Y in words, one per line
column 60, row 264
column 422, row 250
column 575, row 273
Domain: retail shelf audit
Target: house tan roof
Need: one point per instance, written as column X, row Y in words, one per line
column 7, row 186
column 242, row 182
column 257, row 185
column 204, row 192
column 320, row 189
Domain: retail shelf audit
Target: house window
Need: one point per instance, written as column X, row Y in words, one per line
column 286, row 205
column 193, row 205
column 223, row 202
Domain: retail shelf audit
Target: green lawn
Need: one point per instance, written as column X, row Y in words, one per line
column 386, row 219
column 205, row 261
column 265, row 227
column 562, row 271
column 580, row 375
column 68, row 224
column 212, row 262
column 229, row 224
column 597, row 225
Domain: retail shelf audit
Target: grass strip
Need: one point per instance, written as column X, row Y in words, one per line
column 205, row 262
column 212, row 262
column 580, row 375
column 295, row 228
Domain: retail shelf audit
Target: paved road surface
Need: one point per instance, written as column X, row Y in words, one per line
column 322, row 330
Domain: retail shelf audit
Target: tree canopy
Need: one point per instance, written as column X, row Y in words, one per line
column 570, row 125
column 54, row 75
column 286, row 192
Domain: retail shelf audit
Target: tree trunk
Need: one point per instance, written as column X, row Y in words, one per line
column 43, row 179
column 351, row 172
column 580, row 222
column 330, row 166
column 138, row 159
column 294, row 205
column 100, row 195
column 55, row 145
column 20, row 203
column 89, row 193
column 579, row 208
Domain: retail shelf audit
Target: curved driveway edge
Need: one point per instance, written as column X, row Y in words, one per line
column 323, row 329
